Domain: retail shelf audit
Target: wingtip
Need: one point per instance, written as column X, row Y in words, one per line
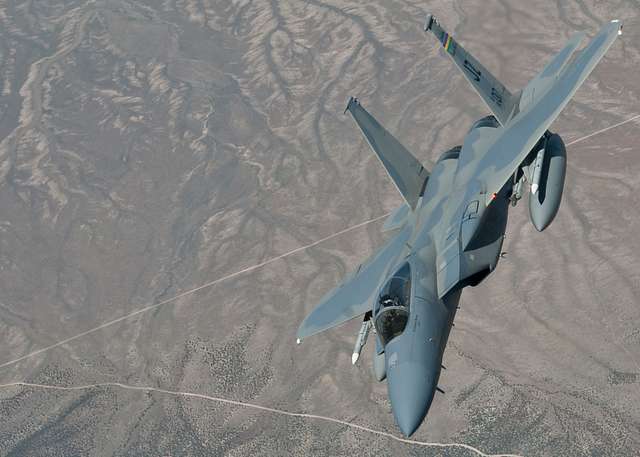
column 349, row 103
column 428, row 22
column 619, row 23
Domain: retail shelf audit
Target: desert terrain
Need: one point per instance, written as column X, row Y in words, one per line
column 150, row 150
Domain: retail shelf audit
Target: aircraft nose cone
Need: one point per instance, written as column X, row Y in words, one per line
column 411, row 389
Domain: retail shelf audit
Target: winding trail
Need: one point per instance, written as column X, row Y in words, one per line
column 258, row 407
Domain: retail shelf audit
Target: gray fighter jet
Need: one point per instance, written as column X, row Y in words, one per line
column 450, row 229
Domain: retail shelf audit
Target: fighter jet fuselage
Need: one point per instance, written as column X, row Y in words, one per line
column 449, row 222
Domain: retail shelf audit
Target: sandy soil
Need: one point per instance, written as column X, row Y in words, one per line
column 147, row 148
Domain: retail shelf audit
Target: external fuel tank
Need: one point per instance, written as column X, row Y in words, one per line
column 549, row 170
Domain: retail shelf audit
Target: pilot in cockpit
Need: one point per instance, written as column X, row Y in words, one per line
column 388, row 300
column 392, row 317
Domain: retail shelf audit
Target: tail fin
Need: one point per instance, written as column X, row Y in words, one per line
column 496, row 96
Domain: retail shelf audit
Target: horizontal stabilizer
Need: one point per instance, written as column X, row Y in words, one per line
column 405, row 170
column 355, row 295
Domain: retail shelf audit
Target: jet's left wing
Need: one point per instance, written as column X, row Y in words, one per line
column 355, row 295
column 405, row 170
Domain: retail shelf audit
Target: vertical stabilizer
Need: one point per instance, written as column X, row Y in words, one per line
column 496, row 96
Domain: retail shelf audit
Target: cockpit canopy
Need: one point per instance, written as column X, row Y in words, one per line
column 392, row 308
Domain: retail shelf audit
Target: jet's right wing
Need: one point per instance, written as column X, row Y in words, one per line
column 355, row 295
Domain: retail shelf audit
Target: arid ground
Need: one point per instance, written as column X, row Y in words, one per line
column 151, row 147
